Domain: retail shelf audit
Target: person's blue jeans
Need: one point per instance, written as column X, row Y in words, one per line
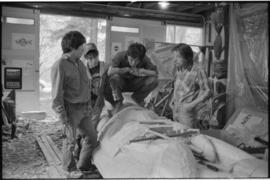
column 140, row 86
column 78, row 119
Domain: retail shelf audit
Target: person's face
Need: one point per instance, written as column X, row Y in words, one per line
column 92, row 60
column 133, row 62
column 77, row 53
column 179, row 60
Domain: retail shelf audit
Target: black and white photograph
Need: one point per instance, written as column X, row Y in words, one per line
column 134, row 89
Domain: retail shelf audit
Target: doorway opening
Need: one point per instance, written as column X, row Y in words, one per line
column 52, row 29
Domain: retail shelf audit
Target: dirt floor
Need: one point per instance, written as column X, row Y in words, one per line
column 21, row 156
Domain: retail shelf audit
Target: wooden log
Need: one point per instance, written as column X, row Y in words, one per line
column 164, row 107
column 54, row 147
column 163, row 99
column 56, row 161
column 52, row 154
column 53, row 173
column 60, row 171
column 159, row 137
column 46, row 153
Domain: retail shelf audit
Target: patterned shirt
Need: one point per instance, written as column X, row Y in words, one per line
column 188, row 84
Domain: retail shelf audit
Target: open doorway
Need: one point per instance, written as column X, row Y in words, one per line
column 52, row 29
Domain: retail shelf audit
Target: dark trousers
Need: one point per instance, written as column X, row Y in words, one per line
column 79, row 119
column 140, row 86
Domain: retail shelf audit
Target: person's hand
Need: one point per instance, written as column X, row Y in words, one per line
column 138, row 72
column 141, row 72
column 134, row 71
column 126, row 69
column 63, row 119
column 65, row 56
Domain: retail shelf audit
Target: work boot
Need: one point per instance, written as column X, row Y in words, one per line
column 91, row 175
column 74, row 174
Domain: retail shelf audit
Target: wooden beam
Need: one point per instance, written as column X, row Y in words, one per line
column 149, row 5
column 52, row 155
column 103, row 10
column 56, row 160
column 202, row 8
column 183, row 8
column 54, row 147
column 45, row 151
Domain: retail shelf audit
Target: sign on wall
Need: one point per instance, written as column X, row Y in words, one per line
column 23, row 41
column 116, row 47
column 13, row 78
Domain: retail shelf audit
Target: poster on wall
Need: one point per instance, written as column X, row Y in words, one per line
column 23, row 41
column 116, row 47
column 131, row 39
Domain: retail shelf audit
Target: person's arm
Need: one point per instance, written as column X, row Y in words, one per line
column 204, row 88
column 143, row 72
column 116, row 70
column 115, row 63
column 57, row 79
column 149, row 69
column 204, row 85
column 100, row 102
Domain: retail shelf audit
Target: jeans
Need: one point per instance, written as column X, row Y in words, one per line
column 140, row 86
column 78, row 119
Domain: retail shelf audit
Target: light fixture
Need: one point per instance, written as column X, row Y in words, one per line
column 163, row 4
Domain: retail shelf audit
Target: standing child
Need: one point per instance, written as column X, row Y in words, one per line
column 71, row 100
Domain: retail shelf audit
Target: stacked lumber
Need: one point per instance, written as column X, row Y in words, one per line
column 52, row 155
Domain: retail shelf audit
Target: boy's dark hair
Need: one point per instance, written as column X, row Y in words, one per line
column 72, row 39
column 136, row 50
column 185, row 51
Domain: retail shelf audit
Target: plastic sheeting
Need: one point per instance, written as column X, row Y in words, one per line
column 248, row 57
column 168, row 157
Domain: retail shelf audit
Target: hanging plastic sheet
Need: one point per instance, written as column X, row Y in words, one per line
column 248, row 57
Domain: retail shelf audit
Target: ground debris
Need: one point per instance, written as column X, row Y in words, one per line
column 21, row 156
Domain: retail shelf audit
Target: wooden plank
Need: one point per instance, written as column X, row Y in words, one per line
column 60, row 171
column 184, row 134
column 46, row 153
column 54, row 147
column 54, row 170
column 53, row 173
column 56, row 161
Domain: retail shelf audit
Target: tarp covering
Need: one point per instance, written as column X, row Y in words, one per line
column 168, row 156
column 161, row 55
column 248, row 57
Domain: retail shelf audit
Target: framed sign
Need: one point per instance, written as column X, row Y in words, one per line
column 13, row 78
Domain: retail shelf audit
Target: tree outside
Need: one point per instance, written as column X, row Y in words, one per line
column 185, row 34
column 52, row 29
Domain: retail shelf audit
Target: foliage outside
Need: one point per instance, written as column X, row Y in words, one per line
column 52, row 29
